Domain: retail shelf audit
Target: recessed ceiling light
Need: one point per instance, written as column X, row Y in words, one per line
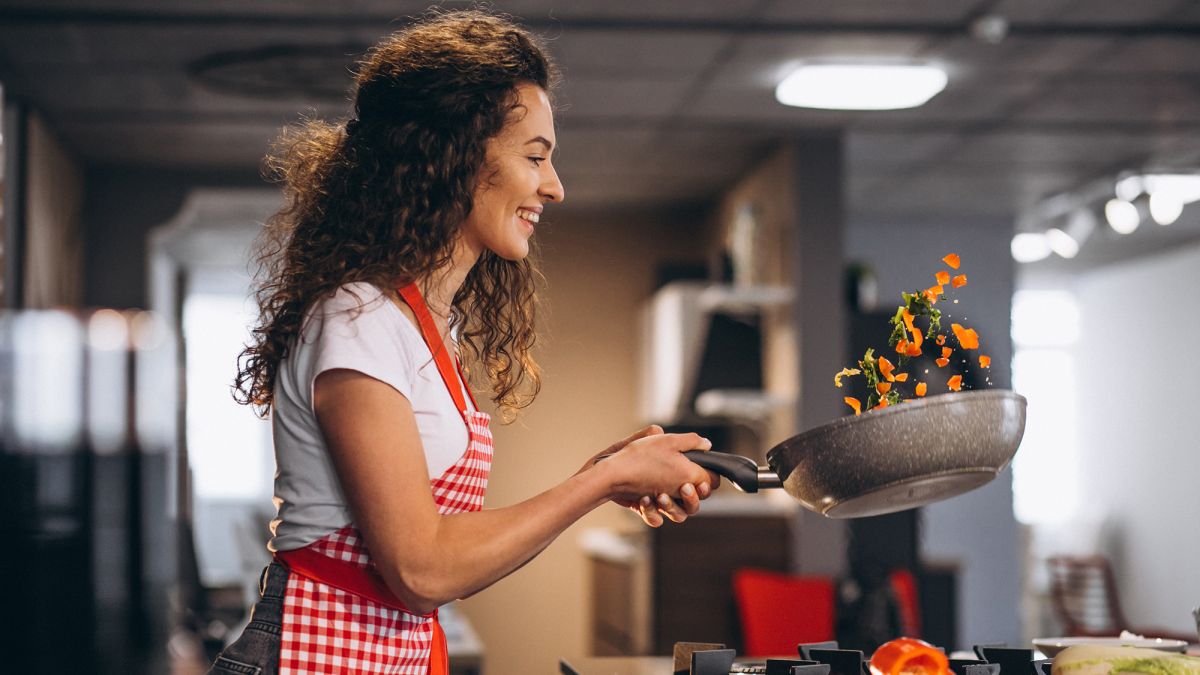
column 860, row 87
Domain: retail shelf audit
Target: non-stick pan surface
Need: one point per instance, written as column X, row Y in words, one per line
column 892, row 459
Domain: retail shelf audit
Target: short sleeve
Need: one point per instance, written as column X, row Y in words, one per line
column 360, row 329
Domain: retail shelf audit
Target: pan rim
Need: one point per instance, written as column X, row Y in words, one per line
column 939, row 400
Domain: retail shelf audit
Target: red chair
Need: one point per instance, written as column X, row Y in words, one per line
column 908, row 602
column 779, row 611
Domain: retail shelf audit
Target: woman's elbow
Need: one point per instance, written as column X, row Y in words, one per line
column 419, row 590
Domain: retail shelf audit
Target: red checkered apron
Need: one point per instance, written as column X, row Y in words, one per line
column 338, row 616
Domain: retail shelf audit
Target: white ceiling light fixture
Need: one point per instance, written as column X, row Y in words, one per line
column 1062, row 243
column 1165, row 208
column 1029, row 247
column 1122, row 216
column 860, row 86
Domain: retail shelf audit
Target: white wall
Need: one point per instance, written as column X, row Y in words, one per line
column 976, row 530
column 1140, row 428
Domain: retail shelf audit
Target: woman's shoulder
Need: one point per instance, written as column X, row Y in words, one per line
column 359, row 304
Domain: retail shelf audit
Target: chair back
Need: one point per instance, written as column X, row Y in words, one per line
column 779, row 611
column 1084, row 594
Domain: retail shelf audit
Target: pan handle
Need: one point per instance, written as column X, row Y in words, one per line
column 741, row 471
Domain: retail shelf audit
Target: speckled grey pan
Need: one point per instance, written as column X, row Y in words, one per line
column 893, row 459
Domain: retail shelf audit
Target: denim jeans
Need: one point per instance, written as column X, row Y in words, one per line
column 256, row 651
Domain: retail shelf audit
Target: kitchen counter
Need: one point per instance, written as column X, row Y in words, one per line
column 624, row 665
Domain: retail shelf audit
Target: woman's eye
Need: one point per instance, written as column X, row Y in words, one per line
column 537, row 161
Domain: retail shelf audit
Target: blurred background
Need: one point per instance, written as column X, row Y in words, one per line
column 720, row 255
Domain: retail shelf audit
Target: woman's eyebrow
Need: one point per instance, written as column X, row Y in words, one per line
column 542, row 140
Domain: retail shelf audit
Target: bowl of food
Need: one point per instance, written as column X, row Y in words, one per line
column 1053, row 645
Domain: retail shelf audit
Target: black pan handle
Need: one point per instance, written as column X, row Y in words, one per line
column 741, row 471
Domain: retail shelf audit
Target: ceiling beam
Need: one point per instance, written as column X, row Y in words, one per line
column 726, row 25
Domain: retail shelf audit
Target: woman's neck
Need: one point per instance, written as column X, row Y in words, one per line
column 440, row 287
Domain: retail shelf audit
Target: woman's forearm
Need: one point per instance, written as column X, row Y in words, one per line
column 471, row 551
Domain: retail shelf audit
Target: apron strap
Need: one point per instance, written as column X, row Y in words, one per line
column 450, row 375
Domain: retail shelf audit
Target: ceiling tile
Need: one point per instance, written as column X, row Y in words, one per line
column 871, row 11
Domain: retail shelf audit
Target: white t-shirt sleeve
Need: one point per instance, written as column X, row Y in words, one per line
column 363, row 334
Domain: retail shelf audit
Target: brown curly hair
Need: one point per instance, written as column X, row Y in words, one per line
column 381, row 197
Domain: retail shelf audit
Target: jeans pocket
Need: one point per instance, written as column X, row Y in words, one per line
column 227, row 666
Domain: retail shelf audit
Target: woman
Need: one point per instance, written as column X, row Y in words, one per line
column 405, row 236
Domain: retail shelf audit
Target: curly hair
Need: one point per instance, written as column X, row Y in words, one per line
column 381, row 197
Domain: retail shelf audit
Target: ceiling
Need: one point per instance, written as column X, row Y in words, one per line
column 664, row 102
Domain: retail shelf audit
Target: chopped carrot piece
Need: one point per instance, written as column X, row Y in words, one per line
column 913, row 350
column 902, row 377
column 886, row 368
column 933, row 292
column 918, row 337
column 946, row 352
column 959, row 281
column 952, row 260
column 942, row 362
column 902, row 346
column 883, row 403
column 941, row 340
column 908, row 319
column 984, row 362
column 967, row 337
column 943, row 278
column 955, row 383
column 883, row 387
column 853, row 403
column 921, row 388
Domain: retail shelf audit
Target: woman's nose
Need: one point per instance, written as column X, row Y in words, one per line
column 552, row 188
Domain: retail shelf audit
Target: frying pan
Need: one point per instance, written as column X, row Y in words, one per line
column 891, row 459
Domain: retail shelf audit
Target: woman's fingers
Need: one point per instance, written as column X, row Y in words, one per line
column 671, row 509
column 690, row 499
column 649, row 512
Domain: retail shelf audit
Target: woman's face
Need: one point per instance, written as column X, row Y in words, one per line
column 517, row 180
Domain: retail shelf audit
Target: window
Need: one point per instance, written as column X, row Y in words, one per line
column 229, row 447
column 1045, row 330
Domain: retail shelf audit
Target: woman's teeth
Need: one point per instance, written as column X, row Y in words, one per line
column 531, row 216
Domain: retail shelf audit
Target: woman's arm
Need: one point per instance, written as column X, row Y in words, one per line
column 428, row 559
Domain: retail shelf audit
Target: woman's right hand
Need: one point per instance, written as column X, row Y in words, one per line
column 651, row 476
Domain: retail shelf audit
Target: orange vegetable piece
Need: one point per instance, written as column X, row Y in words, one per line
column 955, row 383
column 942, row 362
column 902, row 346
column 959, row 281
column 941, row 340
column 910, row 657
column 908, row 319
column 921, row 388
column 853, row 403
column 918, row 338
column 952, row 260
column 902, row 377
column 882, row 387
column 913, row 350
column 886, row 368
column 984, row 361
column 943, row 278
column 967, row 337
column 946, row 352
column 883, row 403
column 933, row 292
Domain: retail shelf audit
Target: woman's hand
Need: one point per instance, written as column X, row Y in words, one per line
column 653, row 457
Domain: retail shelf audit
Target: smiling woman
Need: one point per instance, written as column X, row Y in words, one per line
column 402, row 255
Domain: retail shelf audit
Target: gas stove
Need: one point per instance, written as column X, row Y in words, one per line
column 822, row 658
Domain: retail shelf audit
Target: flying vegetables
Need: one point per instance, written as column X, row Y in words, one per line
column 908, row 340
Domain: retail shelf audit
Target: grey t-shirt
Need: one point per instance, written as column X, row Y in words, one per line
column 377, row 340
